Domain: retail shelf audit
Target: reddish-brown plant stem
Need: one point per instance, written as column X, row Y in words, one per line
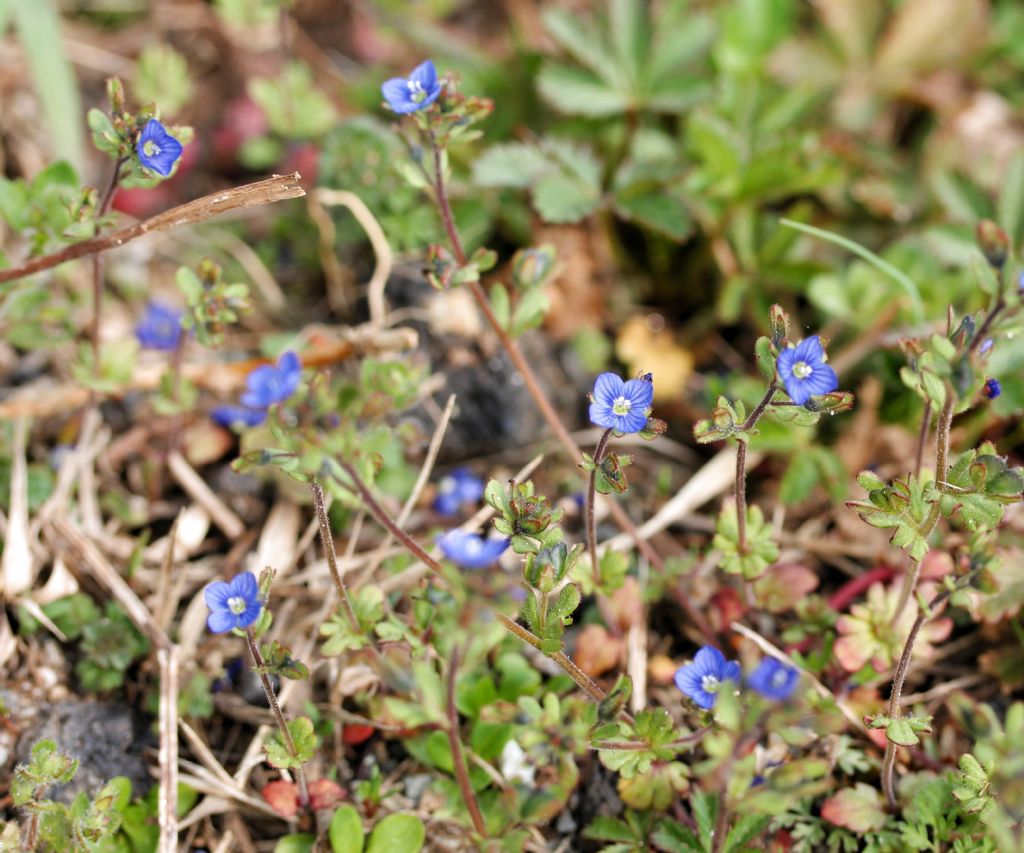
column 741, row 469
column 97, row 264
column 540, row 399
column 599, row 451
column 909, row 585
column 458, row 758
column 282, row 724
column 380, row 514
column 327, row 541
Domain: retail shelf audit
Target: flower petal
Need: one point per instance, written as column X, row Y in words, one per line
column 289, row 362
column 607, row 388
column 217, row 595
column 426, row 75
column 640, row 393
column 822, row 380
column 396, row 93
column 220, row 621
column 710, row 661
column 810, row 350
column 245, row 585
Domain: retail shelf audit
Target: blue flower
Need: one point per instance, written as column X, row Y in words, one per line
column 238, row 416
column 702, row 679
column 986, row 345
column 158, row 151
column 470, row 550
column 159, row 327
column 269, row 384
column 409, row 94
column 774, row 680
column 803, row 371
column 233, row 605
column 460, row 487
column 621, row 406
column 991, row 389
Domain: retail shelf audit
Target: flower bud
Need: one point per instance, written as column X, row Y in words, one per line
column 993, row 242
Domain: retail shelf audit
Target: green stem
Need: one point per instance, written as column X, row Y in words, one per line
column 282, row 724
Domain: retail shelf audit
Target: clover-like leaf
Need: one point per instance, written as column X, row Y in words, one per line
column 303, row 737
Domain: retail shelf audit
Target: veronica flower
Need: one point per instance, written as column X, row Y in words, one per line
column 159, row 327
column 409, row 94
column 774, row 680
column 803, row 371
column 459, row 487
column 238, row 416
column 621, row 406
column 233, row 605
column 702, row 679
column 158, row 151
column 470, row 550
column 270, row 383
column 991, row 389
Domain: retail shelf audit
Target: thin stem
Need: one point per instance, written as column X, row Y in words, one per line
column 327, row 541
column 909, row 584
column 97, row 265
column 540, row 399
column 922, row 438
column 388, row 523
column 741, row 469
column 721, row 824
column 458, row 758
column 282, row 724
column 599, row 451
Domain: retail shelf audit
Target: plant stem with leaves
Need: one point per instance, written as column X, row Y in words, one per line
column 97, row 264
column 410, row 544
column 741, row 468
column 599, row 451
column 282, row 724
column 541, row 400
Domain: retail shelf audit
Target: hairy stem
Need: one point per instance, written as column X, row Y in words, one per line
column 327, row 541
column 922, row 438
column 741, row 468
column 599, row 451
column 907, row 590
column 281, row 722
column 380, row 514
column 458, row 758
column 532, row 385
column 97, row 265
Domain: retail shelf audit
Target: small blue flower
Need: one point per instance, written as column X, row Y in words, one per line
column 158, row 151
column 803, row 371
column 238, row 416
column 621, row 406
column 159, row 327
column 774, row 680
column 409, row 94
column 702, row 679
column 470, row 550
column 986, row 345
column 460, row 487
column 233, row 605
column 991, row 389
column 269, row 384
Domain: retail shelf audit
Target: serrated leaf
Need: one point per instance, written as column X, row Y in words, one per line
column 513, row 164
column 578, row 92
column 562, row 198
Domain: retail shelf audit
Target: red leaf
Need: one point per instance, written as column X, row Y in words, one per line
column 282, row 797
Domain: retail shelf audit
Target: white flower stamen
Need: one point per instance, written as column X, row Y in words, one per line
column 709, row 684
column 237, row 605
column 621, row 406
column 801, row 370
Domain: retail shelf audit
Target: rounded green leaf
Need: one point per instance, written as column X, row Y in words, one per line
column 397, row 833
column 346, row 831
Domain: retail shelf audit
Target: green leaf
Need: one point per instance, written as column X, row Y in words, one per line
column 297, row 842
column 704, row 805
column 397, row 833
column 676, row 838
column 38, row 26
column 346, row 831
column 901, row 278
column 513, row 164
column 901, row 733
column 745, row 830
column 859, row 809
column 655, row 209
column 561, row 198
column 578, row 92
column 1010, row 207
column 799, row 480
column 304, row 738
